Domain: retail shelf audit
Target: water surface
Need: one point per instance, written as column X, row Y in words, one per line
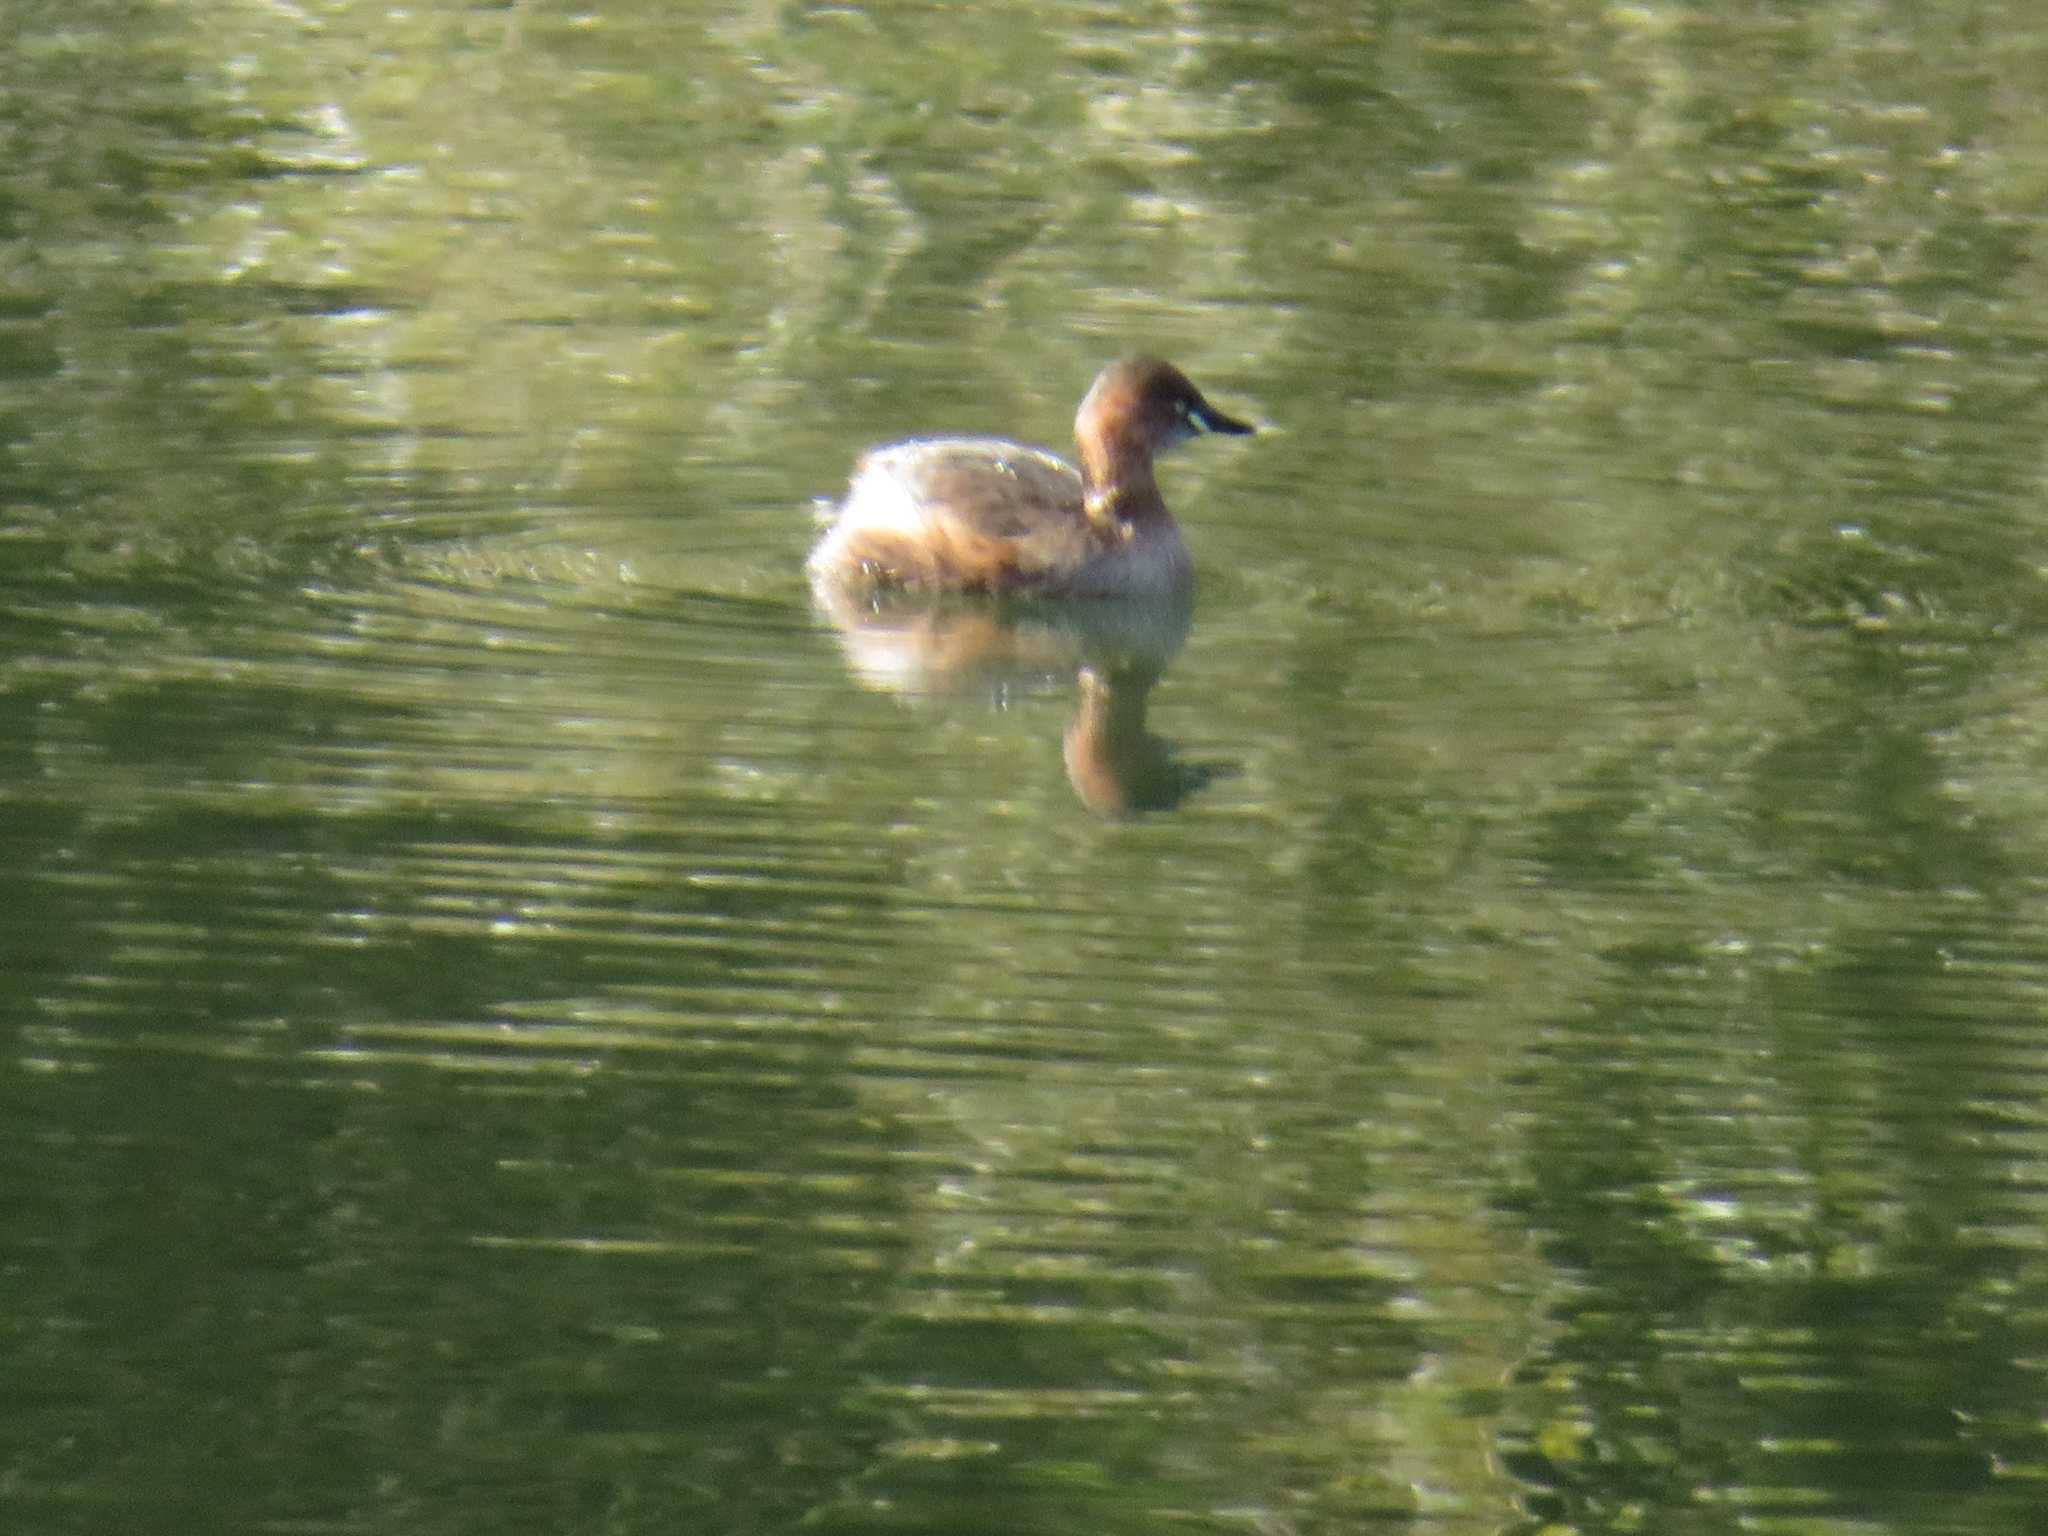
column 1521, row 1013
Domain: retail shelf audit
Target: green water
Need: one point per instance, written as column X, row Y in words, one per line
column 1523, row 1013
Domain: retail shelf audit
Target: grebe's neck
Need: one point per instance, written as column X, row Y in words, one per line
column 1119, row 491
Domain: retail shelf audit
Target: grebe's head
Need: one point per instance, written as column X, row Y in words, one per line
column 1140, row 406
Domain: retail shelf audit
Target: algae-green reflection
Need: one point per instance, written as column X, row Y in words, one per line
column 506, row 1030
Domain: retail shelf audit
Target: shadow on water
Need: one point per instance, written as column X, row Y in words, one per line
column 1116, row 652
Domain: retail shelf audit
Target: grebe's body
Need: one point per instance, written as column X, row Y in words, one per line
column 970, row 514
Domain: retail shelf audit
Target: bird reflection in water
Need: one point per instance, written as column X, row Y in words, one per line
column 1116, row 652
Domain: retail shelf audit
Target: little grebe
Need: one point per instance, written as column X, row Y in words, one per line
column 971, row 514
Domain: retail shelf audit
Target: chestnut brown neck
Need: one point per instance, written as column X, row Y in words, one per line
column 1119, row 489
